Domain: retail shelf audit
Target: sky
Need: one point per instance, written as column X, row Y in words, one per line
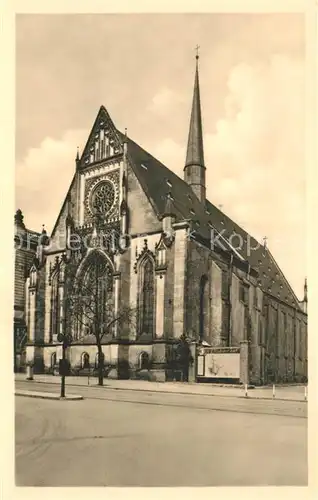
column 141, row 68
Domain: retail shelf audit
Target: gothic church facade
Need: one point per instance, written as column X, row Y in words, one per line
column 172, row 262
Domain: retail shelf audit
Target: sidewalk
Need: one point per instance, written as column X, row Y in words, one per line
column 291, row 393
column 47, row 395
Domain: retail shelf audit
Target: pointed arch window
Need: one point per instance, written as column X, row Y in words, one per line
column 204, row 308
column 55, row 306
column 146, row 296
column 93, row 297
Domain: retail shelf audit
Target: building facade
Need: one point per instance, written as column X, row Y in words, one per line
column 139, row 257
column 25, row 243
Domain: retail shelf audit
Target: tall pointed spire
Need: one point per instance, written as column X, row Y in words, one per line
column 305, row 300
column 77, row 159
column 195, row 155
column 194, row 170
column 305, row 291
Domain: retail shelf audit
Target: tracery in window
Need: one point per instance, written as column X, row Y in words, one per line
column 103, row 197
column 204, row 308
column 146, row 296
column 92, row 301
column 55, row 307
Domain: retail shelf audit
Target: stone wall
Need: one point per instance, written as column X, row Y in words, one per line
column 23, row 262
column 76, row 353
column 180, row 300
column 124, row 299
column 285, row 342
column 198, row 266
column 202, row 263
column 216, row 324
column 169, row 292
column 237, row 313
column 25, row 249
column 114, row 353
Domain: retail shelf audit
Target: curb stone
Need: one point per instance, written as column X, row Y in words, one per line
column 48, row 395
column 162, row 391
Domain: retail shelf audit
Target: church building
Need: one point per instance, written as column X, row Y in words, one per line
column 140, row 257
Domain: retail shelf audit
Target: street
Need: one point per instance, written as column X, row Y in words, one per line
column 126, row 438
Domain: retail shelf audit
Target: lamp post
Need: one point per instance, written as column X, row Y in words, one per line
column 65, row 337
column 64, row 365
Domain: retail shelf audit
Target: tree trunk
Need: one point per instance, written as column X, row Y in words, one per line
column 100, row 365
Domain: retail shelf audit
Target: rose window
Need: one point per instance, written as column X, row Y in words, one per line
column 103, row 197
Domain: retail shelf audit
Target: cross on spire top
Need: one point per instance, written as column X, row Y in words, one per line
column 197, row 51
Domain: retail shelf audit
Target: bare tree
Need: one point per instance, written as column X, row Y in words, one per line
column 20, row 340
column 91, row 308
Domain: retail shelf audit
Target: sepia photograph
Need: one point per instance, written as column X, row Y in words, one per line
column 160, row 267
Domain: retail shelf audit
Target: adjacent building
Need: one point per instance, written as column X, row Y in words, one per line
column 25, row 246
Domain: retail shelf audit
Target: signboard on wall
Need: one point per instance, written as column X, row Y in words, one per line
column 219, row 365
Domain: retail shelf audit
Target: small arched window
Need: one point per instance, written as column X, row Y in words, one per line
column 53, row 359
column 143, row 361
column 85, row 360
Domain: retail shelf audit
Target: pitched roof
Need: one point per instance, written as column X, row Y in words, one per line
column 158, row 181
